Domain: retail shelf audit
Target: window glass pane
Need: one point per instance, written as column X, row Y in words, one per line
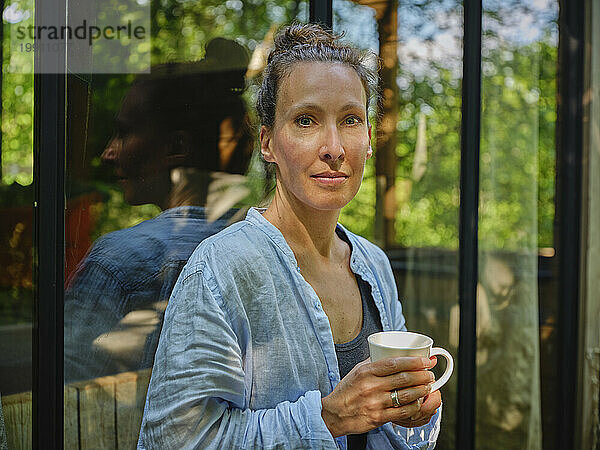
column 408, row 202
column 590, row 375
column 155, row 163
column 519, row 59
column 16, row 234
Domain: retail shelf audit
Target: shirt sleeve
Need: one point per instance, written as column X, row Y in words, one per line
column 93, row 302
column 397, row 437
column 200, row 388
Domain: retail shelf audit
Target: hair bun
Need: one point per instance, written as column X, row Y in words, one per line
column 296, row 35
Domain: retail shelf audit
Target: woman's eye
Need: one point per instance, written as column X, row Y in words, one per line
column 304, row 121
column 352, row 120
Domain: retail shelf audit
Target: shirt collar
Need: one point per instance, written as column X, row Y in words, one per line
column 194, row 212
column 255, row 217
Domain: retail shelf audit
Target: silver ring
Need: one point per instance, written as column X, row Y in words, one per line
column 395, row 401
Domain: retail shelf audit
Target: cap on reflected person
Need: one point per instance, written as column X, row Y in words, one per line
column 192, row 99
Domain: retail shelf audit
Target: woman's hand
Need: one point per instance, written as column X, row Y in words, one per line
column 429, row 406
column 362, row 400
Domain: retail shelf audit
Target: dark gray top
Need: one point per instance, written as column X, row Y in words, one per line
column 351, row 353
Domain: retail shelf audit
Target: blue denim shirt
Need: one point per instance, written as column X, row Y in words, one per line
column 128, row 270
column 246, row 351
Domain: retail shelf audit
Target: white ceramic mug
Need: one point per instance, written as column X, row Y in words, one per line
column 392, row 344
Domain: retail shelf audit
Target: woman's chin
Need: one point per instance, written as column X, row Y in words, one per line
column 330, row 203
column 322, row 199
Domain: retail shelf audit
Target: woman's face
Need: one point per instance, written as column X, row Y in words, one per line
column 138, row 155
column 320, row 140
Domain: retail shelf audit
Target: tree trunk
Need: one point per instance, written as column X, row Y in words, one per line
column 385, row 152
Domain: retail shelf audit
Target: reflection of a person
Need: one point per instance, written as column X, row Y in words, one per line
column 264, row 342
column 182, row 143
column 508, row 402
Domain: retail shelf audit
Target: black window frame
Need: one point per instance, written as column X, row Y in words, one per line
column 49, row 224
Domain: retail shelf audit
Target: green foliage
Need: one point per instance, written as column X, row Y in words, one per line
column 180, row 29
column 517, row 147
column 429, row 216
column 358, row 214
column 517, row 154
column 17, row 107
column 115, row 214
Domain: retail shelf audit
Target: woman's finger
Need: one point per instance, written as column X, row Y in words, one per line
column 402, row 414
column 423, row 417
column 428, row 408
column 419, row 415
column 433, row 360
column 407, row 379
column 431, row 403
column 416, row 423
column 389, row 366
column 407, row 395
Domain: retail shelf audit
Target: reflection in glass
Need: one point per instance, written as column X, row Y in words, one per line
column 182, row 142
column 516, row 214
column 181, row 139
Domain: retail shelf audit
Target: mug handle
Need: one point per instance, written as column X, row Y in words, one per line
column 449, row 367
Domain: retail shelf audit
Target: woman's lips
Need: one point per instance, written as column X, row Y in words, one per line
column 330, row 180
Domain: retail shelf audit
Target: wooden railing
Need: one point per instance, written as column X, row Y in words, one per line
column 103, row 413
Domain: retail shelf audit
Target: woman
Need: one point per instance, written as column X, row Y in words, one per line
column 269, row 314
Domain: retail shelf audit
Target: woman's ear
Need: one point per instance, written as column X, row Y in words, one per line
column 266, row 144
column 370, row 150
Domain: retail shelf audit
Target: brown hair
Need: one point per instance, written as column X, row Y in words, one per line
column 308, row 43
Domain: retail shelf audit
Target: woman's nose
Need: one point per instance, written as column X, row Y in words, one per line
column 332, row 149
column 109, row 154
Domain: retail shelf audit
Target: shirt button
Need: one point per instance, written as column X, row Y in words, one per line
column 317, row 305
column 298, row 268
column 331, row 375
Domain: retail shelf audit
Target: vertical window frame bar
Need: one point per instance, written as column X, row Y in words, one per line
column 569, row 209
column 49, row 226
column 468, row 224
